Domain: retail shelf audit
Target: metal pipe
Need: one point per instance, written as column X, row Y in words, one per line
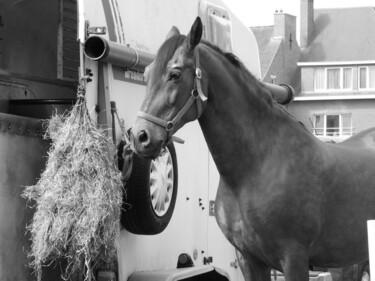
column 99, row 49
column 283, row 93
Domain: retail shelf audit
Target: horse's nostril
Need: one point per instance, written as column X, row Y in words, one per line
column 142, row 137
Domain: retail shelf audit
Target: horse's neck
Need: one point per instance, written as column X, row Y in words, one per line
column 240, row 125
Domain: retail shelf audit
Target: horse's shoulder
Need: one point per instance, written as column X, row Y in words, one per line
column 364, row 138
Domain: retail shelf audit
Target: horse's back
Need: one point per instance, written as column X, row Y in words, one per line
column 365, row 139
column 348, row 190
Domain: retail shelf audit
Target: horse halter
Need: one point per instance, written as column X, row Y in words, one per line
column 195, row 96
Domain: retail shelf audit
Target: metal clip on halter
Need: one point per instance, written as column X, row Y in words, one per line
column 198, row 73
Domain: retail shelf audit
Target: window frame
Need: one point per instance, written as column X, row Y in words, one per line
column 367, row 87
column 359, row 77
column 341, row 77
column 342, row 130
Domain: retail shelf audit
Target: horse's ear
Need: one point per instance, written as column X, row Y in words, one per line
column 195, row 35
column 173, row 32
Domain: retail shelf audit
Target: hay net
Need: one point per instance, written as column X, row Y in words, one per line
column 78, row 197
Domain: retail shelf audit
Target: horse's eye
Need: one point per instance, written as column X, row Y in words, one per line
column 174, row 75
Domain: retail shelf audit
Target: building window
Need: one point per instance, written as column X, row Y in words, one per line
column 347, row 78
column 333, row 125
column 333, row 79
column 366, row 77
column 319, row 79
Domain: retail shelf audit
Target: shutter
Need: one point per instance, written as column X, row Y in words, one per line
column 67, row 42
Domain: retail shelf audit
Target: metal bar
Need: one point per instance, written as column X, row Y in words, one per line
column 18, row 125
column 98, row 49
column 57, row 82
column 104, row 115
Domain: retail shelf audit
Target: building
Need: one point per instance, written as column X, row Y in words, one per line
column 279, row 50
column 332, row 70
column 337, row 66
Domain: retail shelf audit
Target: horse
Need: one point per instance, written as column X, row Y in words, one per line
column 286, row 200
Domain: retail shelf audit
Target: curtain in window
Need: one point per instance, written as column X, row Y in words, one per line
column 333, row 78
column 319, row 80
column 371, row 76
column 362, row 77
column 347, row 78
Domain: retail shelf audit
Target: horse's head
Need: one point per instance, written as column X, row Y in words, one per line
column 174, row 95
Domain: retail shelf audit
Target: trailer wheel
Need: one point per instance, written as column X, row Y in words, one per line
column 365, row 274
column 151, row 192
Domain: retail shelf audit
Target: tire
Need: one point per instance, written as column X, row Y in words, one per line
column 151, row 192
column 365, row 276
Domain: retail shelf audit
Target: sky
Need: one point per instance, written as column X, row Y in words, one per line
column 260, row 12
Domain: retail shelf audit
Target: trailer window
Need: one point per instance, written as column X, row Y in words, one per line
column 218, row 26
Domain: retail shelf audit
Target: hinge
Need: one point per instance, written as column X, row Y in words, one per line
column 97, row 30
column 207, row 260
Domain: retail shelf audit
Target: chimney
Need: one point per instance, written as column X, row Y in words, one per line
column 307, row 22
column 284, row 26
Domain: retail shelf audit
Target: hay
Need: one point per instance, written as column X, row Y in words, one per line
column 78, row 197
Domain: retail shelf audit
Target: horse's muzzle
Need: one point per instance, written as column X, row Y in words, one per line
column 144, row 145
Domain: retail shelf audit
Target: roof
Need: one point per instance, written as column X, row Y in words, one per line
column 342, row 34
column 267, row 45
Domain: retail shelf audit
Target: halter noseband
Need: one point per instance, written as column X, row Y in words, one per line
column 196, row 96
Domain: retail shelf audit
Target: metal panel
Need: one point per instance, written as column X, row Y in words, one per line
column 22, row 152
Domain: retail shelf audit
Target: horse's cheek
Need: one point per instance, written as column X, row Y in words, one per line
column 172, row 96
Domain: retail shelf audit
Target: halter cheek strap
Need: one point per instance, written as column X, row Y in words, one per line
column 196, row 96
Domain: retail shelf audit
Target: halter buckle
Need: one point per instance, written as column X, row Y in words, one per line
column 169, row 126
column 195, row 93
column 198, row 73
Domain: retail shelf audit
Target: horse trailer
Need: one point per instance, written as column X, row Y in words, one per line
column 46, row 47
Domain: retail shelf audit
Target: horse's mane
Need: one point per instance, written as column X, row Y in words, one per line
column 169, row 47
column 238, row 64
